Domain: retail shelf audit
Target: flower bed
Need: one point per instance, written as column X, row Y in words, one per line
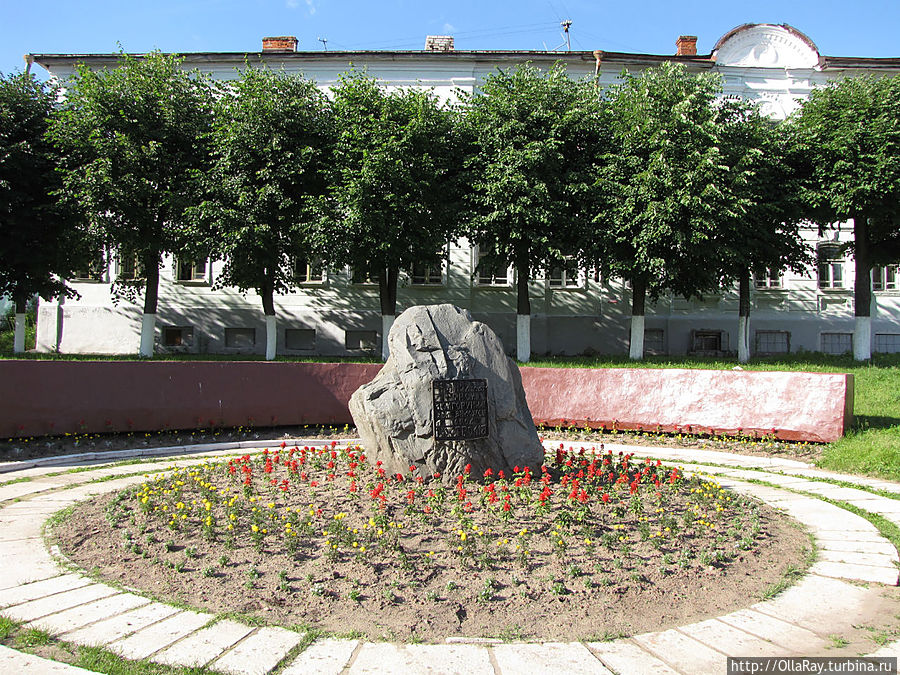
column 595, row 545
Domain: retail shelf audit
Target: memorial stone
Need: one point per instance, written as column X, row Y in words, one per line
column 447, row 397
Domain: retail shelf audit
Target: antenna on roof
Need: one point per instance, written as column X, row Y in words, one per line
column 567, row 43
column 324, row 41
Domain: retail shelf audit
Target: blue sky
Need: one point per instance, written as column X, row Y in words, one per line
column 838, row 27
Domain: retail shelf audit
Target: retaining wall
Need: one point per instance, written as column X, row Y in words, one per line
column 55, row 397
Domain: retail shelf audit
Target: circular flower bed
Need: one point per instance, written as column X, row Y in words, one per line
column 596, row 545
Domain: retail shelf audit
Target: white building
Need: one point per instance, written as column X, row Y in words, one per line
column 332, row 314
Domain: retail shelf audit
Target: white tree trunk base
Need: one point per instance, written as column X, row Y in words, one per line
column 523, row 337
column 387, row 321
column 636, row 345
column 19, row 334
column 862, row 338
column 148, row 332
column 271, row 338
column 743, row 339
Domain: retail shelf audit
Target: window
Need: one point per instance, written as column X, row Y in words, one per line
column 488, row 270
column 654, row 341
column 773, row 342
column 361, row 340
column 707, row 341
column 831, row 266
column 363, row 277
column 837, row 343
column 308, row 272
column 190, row 270
column 300, row 339
column 566, row 275
column 178, row 336
column 427, row 275
column 94, row 269
column 887, row 343
column 240, row 338
column 885, row 278
column 769, row 278
column 127, row 267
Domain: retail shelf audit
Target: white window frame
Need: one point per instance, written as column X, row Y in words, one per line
column 566, row 278
column 123, row 261
column 96, row 270
column 366, row 279
column 431, row 275
column 886, row 278
column 770, row 280
column 830, row 264
column 313, row 272
column 483, row 281
column 195, row 276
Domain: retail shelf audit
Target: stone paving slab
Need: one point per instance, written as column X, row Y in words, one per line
column 458, row 659
column 625, row 657
column 323, row 657
column 158, row 636
column 116, row 627
column 839, row 570
column 683, row 652
column 259, row 653
column 25, row 489
column 883, row 548
column 562, row 658
column 36, row 609
column 820, row 604
column 39, row 589
column 786, row 635
column 731, row 639
column 83, row 615
column 17, row 529
column 199, row 648
column 12, row 661
column 858, row 558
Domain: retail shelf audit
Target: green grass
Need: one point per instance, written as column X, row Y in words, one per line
column 6, row 340
column 872, row 446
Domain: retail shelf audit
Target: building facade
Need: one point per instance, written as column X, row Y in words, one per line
column 335, row 313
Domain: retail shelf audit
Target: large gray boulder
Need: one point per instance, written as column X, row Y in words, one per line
column 394, row 412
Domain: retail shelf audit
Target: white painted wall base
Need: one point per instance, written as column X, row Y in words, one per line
column 743, row 339
column 148, row 332
column 19, row 334
column 271, row 338
column 387, row 321
column 862, row 338
column 636, row 348
column 523, row 337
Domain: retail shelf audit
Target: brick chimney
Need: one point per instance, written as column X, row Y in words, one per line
column 439, row 43
column 284, row 43
column 686, row 45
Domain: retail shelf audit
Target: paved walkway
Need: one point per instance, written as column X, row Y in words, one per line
column 833, row 599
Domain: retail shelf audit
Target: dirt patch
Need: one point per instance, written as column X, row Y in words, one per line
column 599, row 545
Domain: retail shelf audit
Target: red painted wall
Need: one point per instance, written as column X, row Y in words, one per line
column 55, row 397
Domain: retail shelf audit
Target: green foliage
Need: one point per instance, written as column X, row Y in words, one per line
column 395, row 185
column 39, row 242
column 132, row 138
column 530, row 133
column 664, row 183
column 271, row 142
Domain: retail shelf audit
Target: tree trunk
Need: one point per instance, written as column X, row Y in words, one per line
column 523, row 311
column 744, row 317
column 151, row 298
column 268, row 301
column 862, row 298
column 387, row 291
column 19, row 333
column 638, row 309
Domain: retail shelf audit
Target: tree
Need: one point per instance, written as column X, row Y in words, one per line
column 133, row 141
column 39, row 241
column 850, row 131
column 764, row 180
column 395, row 190
column 662, row 187
column 530, row 131
column 271, row 141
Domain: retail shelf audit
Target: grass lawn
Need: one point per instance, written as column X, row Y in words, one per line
column 871, row 448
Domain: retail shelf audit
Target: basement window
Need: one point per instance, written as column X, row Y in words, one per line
column 300, row 339
column 773, row 342
column 240, row 338
column 709, row 342
column 887, row 343
column 360, row 340
column 654, row 341
column 837, row 343
column 178, row 336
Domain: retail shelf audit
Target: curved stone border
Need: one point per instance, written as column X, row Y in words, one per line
column 828, row 600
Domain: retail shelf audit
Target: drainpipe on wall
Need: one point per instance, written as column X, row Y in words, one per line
column 598, row 56
column 29, row 59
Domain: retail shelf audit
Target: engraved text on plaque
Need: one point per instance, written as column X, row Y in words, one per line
column 460, row 409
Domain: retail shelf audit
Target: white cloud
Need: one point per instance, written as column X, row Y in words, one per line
column 312, row 6
column 292, row 4
column 449, row 28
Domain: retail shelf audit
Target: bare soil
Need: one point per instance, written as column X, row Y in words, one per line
column 330, row 553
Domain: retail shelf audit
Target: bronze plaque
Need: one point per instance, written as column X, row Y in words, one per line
column 460, row 409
